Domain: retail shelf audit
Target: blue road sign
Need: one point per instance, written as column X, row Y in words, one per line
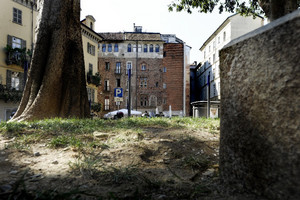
column 118, row 92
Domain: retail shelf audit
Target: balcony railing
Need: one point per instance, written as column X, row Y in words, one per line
column 10, row 94
column 93, row 79
column 117, row 71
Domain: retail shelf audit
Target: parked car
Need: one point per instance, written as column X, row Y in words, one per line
column 117, row 114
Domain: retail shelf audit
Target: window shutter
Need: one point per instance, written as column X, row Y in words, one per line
column 9, row 40
column 93, row 96
column 23, row 44
column 21, row 78
column 8, row 79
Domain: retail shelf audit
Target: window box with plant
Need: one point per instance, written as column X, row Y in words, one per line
column 17, row 56
column 10, row 94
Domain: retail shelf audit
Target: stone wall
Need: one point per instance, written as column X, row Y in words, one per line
column 260, row 122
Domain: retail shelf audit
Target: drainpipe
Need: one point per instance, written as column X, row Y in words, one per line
column 184, row 80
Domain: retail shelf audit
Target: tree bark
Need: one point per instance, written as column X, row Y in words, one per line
column 275, row 9
column 56, row 85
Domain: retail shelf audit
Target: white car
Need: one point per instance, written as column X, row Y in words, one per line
column 113, row 114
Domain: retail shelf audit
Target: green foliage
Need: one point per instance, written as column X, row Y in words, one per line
column 10, row 95
column 204, row 6
column 16, row 55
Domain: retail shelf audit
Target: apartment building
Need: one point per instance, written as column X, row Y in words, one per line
column 90, row 42
column 153, row 65
column 17, row 33
column 232, row 28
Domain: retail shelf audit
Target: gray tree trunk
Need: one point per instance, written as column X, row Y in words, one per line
column 275, row 9
column 56, row 85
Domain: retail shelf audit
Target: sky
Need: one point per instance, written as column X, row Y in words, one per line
column 153, row 15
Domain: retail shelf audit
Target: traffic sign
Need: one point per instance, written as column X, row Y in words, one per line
column 118, row 92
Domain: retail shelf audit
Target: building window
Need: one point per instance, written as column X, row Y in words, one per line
column 204, row 54
column 164, row 69
column 128, row 66
column 164, row 85
column 156, row 84
column 90, row 49
column 106, row 85
column 90, row 68
column 145, row 48
column 106, row 103
column 209, row 49
column 91, row 94
column 224, row 36
column 107, row 66
column 118, row 82
column 134, row 48
column 214, row 58
column 109, row 48
column 15, row 80
column 214, row 45
column 116, row 48
column 118, row 68
column 91, row 26
column 157, row 48
column 16, row 43
column 129, row 48
column 143, row 101
column 219, row 40
column 214, row 86
column 151, row 48
column 143, row 67
column 103, row 47
column 139, row 48
column 143, row 82
column 17, row 16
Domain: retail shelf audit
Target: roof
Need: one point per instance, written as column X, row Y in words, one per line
column 112, row 36
column 131, row 36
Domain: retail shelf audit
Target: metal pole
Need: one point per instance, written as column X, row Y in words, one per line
column 129, row 91
column 208, row 96
column 136, row 74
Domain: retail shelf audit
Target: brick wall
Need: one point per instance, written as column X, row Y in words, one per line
column 173, row 61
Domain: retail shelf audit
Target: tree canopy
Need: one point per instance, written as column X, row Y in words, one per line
column 270, row 8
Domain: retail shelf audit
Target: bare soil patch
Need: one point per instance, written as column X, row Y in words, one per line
column 155, row 163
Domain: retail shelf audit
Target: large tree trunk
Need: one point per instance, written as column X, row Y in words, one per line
column 56, row 85
column 275, row 9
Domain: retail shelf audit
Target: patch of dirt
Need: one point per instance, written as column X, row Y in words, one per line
column 156, row 164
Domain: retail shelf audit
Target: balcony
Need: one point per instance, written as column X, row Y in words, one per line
column 93, row 79
column 10, row 94
column 16, row 56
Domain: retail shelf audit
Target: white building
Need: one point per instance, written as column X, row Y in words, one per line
column 233, row 27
